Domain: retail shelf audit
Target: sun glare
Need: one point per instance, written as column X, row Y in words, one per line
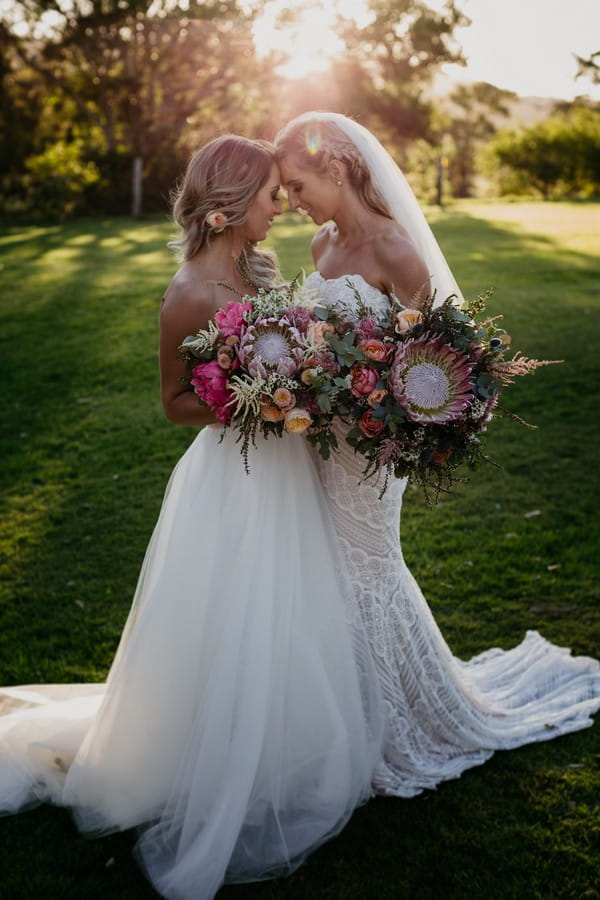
column 310, row 39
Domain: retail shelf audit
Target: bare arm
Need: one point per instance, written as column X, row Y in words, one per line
column 182, row 313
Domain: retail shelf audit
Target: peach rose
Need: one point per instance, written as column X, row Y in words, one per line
column 362, row 380
column 271, row 413
column 284, row 399
column 369, row 425
column 297, row 420
column 406, row 318
column 376, row 350
column 376, row 396
column 307, row 376
column 318, row 331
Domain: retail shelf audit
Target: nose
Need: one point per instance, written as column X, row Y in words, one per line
column 293, row 201
column 278, row 209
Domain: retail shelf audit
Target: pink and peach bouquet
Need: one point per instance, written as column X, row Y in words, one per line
column 422, row 385
column 262, row 367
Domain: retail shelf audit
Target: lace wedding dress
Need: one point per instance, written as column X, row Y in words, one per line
column 442, row 715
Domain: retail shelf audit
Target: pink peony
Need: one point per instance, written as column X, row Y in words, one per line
column 363, row 380
column 210, row 384
column 230, row 319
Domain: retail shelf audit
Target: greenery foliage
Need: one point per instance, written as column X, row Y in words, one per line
column 558, row 157
column 86, row 453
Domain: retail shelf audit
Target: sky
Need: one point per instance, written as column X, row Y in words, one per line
column 526, row 46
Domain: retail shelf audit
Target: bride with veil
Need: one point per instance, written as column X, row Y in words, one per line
column 279, row 665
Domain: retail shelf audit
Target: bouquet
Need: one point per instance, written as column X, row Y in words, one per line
column 254, row 366
column 421, row 385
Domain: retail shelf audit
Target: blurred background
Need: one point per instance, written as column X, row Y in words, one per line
column 103, row 101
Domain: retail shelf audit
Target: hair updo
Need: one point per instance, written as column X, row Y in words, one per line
column 314, row 141
column 219, row 185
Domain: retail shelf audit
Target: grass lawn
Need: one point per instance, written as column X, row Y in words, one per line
column 86, row 453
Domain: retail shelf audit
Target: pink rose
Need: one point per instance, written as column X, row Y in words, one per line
column 362, row 380
column 376, row 350
column 210, row 384
column 230, row 319
column 369, row 425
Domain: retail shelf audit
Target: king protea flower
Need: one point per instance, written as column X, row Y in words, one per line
column 271, row 345
column 430, row 380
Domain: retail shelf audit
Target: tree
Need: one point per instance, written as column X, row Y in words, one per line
column 140, row 79
column 390, row 62
column 589, row 67
column 476, row 110
column 558, row 157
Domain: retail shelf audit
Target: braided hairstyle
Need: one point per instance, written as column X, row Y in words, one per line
column 219, row 185
column 314, row 142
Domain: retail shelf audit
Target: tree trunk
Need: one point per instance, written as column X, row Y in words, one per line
column 137, row 188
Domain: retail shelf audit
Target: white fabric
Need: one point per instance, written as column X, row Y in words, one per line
column 240, row 724
column 279, row 663
column 401, row 201
column 442, row 715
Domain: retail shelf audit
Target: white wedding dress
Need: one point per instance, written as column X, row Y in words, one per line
column 442, row 715
column 241, row 722
column 279, row 665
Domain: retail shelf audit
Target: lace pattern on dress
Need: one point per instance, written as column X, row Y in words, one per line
column 443, row 715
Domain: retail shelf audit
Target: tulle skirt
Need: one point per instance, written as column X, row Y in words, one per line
column 241, row 721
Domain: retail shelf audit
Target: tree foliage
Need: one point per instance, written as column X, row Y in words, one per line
column 558, row 157
column 129, row 78
column 390, row 62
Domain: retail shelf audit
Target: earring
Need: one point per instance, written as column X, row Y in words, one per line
column 339, row 183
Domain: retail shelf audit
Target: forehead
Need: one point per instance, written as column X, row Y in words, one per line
column 291, row 170
column 274, row 175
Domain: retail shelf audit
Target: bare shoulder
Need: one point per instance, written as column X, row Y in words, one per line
column 321, row 241
column 189, row 302
column 404, row 272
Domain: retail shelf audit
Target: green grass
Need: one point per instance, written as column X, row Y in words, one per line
column 86, row 454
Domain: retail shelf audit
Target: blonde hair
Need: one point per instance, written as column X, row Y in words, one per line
column 314, row 142
column 224, row 177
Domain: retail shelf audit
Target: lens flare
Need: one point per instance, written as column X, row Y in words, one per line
column 313, row 139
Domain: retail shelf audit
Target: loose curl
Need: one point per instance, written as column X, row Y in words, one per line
column 314, row 142
column 223, row 177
